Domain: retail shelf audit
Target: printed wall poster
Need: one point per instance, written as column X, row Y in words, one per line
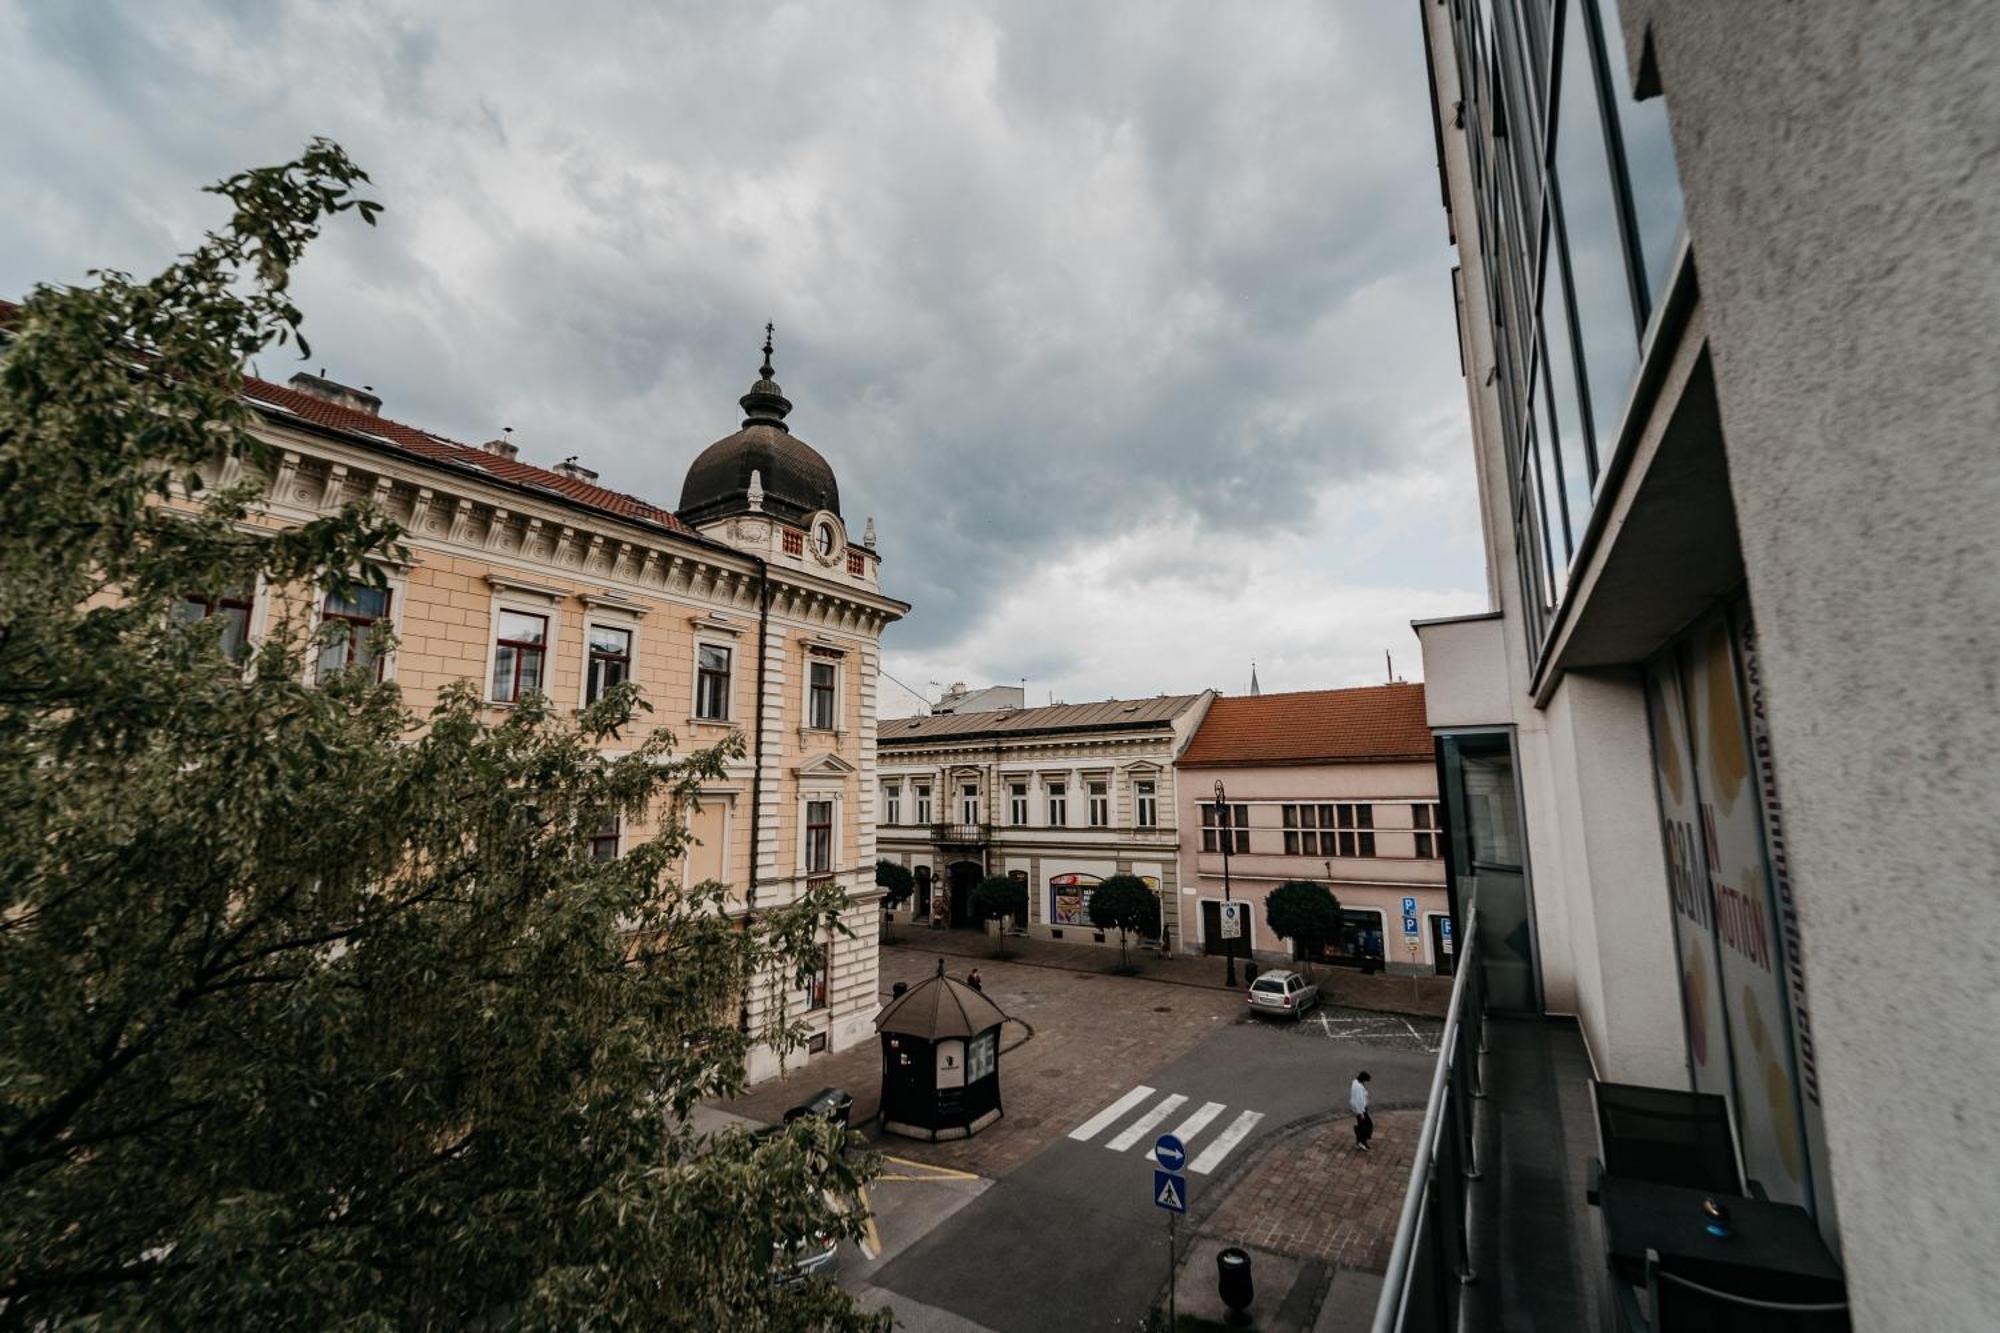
column 1745, row 917
column 1069, row 898
column 950, row 1064
column 1687, row 880
column 982, row 1056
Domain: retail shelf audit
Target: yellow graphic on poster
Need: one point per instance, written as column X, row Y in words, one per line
column 1069, row 898
column 1753, row 989
column 1687, row 880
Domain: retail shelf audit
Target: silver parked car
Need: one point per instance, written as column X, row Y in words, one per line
column 1282, row 992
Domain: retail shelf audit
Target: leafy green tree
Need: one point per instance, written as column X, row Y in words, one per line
column 1125, row 904
column 314, row 1013
column 896, row 883
column 1305, row 913
column 999, row 898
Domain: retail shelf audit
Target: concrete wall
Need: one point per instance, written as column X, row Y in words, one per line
column 1839, row 163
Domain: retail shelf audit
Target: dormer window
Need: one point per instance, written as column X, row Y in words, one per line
column 823, row 539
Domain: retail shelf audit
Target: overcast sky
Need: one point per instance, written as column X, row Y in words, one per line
column 1129, row 323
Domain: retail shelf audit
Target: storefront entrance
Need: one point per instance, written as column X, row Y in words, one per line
column 1211, row 930
column 964, row 877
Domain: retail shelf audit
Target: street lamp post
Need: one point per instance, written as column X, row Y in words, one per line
column 1222, row 823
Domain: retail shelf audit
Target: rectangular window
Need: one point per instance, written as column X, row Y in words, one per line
column 968, row 803
column 820, row 712
column 1017, row 804
column 1354, row 825
column 1424, row 817
column 923, row 790
column 819, row 837
column 1100, row 805
column 604, row 842
column 1212, row 830
column 816, row 983
column 711, row 685
column 1058, row 804
column 892, row 803
column 233, row 607
column 520, row 646
column 1148, row 805
column 348, row 620
column 610, row 661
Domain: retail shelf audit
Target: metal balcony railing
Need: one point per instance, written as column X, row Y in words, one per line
column 1432, row 1257
column 962, row 835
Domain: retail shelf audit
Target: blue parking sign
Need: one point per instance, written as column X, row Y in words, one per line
column 1409, row 924
column 1409, row 906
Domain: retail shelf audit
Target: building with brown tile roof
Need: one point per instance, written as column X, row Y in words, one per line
column 1336, row 787
column 1373, row 722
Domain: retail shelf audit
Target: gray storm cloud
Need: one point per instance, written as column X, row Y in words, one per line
column 1138, row 309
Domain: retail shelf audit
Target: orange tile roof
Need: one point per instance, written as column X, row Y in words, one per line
column 437, row 448
column 279, row 401
column 1313, row 727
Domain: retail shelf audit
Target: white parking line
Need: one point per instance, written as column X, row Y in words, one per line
column 1239, row 1130
column 1146, row 1123
column 1097, row 1124
column 1192, row 1126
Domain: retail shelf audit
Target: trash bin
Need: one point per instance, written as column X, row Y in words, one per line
column 1249, row 971
column 832, row 1103
column 1232, row 1279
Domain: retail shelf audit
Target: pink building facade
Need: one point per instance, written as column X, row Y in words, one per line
column 1336, row 787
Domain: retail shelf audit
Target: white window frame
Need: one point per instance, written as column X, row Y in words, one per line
column 809, row 795
column 1435, row 832
column 921, row 795
column 1097, row 802
column 606, row 613
column 397, row 577
column 892, row 801
column 526, row 599
column 1017, row 802
column 1142, row 817
column 968, row 802
column 729, row 646
column 1055, row 802
column 818, row 654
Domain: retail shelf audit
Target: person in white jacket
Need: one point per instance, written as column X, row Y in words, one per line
column 1357, row 1100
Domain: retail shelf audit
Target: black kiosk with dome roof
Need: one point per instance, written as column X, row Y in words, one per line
column 940, row 1060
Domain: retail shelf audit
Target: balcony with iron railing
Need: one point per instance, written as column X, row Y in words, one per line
column 961, row 835
column 1511, row 1220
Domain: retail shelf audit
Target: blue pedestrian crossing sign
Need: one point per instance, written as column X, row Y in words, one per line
column 1170, row 1191
column 1169, row 1152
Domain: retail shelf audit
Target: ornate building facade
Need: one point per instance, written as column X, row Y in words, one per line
column 1059, row 798
column 750, row 610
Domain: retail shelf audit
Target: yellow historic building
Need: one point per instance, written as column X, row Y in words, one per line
column 748, row 608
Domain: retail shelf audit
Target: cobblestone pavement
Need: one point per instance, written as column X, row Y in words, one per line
column 1312, row 1195
column 1090, row 1033
column 1427, row 995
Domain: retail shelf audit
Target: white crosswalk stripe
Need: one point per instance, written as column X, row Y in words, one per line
column 1192, row 1126
column 1098, row 1123
column 1149, row 1120
column 1146, row 1123
column 1212, row 1155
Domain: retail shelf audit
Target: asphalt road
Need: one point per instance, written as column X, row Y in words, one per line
column 1072, row 1240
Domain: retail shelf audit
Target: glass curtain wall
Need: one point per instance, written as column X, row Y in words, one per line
column 1579, row 218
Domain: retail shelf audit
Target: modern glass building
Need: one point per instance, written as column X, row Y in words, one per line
column 1717, row 266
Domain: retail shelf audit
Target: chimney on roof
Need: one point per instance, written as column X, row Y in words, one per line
column 333, row 391
column 569, row 467
column 504, row 447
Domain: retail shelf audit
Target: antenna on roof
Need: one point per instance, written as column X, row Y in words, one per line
column 1389, row 662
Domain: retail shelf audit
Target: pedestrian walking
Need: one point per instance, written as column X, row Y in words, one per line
column 973, row 981
column 1357, row 1101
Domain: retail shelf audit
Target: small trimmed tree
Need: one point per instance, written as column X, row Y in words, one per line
column 1000, row 897
column 1125, row 904
column 896, row 883
column 1305, row 913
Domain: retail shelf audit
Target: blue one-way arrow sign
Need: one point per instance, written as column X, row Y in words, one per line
column 1170, row 1191
column 1169, row 1152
